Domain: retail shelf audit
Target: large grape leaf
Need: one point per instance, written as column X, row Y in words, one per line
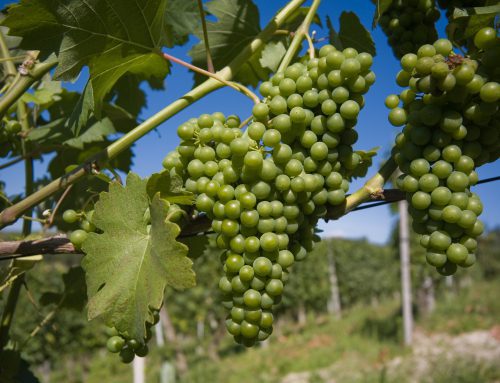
column 112, row 37
column 237, row 24
column 182, row 17
column 272, row 54
column 131, row 262
column 353, row 34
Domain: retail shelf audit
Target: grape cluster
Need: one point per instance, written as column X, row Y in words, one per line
column 126, row 347
column 408, row 24
column 451, row 119
column 266, row 188
column 77, row 237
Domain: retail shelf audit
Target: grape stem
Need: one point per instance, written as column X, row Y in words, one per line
column 300, row 34
column 10, row 214
column 50, row 221
column 310, row 50
column 239, row 87
column 210, row 64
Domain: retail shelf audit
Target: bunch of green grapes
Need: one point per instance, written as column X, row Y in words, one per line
column 266, row 188
column 408, row 24
column 451, row 119
column 77, row 237
column 232, row 179
column 127, row 347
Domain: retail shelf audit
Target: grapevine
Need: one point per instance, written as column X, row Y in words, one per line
column 260, row 183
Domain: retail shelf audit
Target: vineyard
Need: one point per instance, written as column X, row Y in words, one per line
column 228, row 234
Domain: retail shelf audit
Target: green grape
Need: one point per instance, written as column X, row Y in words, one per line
column 115, row 344
column 70, row 216
column 260, row 111
column 485, row 38
column 447, row 269
column 392, row 101
column 77, row 238
column 397, row 116
column 262, row 266
column 127, row 355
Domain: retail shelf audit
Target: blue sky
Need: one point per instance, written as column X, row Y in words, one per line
column 373, row 127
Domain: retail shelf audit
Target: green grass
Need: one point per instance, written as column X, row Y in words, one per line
column 353, row 349
column 474, row 307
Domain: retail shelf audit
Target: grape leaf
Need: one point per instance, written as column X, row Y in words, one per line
column 128, row 95
column 381, row 6
column 14, row 369
column 333, row 36
column 466, row 22
column 237, row 24
column 171, row 188
column 353, row 34
column 81, row 112
column 182, row 17
column 44, row 96
column 297, row 17
column 272, row 54
column 75, row 291
column 129, row 265
column 112, row 37
column 197, row 244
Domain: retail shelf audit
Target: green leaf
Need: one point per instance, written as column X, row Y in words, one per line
column 17, row 267
column 112, row 37
column 47, row 94
column 466, row 22
column 81, row 112
column 353, row 34
column 197, row 245
column 14, row 369
column 381, row 6
column 182, row 17
column 466, row 12
column 128, row 95
column 333, row 36
column 366, row 161
column 171, row 188
column 237, row 24
column 74, row 294
column 272, row 54
column 131, row 262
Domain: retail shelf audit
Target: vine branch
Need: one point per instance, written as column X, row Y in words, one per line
column 372, row 190
column 301, row 33
column 364, row 198
column 60, row 244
